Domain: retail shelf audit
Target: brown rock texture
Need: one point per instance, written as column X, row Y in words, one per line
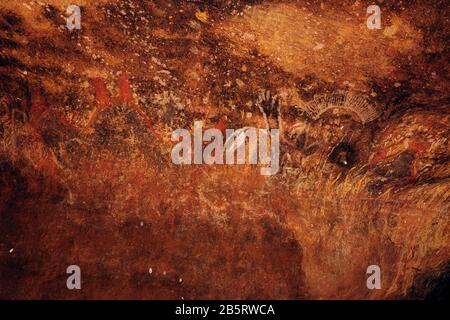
column 86, row 176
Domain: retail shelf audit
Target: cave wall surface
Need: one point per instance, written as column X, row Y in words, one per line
column 86, row 176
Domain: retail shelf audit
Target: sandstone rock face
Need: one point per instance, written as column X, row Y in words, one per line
column 86, row 176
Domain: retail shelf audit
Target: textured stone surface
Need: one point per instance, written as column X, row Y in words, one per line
column 86, row 176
